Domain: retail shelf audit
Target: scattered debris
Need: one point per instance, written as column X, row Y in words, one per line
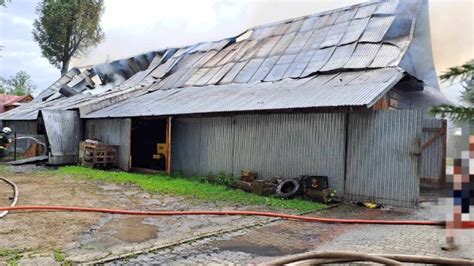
column 37, row 159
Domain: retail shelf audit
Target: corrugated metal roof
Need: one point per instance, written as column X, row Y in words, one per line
column 341, row 40
column 342, row 90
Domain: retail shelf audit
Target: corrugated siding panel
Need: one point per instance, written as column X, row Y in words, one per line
column 432, row 157
column 286, row 145
column 113, row 132
column 381, row 166
column 186, row 152
column 64, row 131
column 22, row 127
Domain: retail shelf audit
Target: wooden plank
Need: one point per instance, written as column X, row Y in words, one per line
column 438, row 134
column 168, row 142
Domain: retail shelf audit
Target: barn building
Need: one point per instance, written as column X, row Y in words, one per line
column 343, row 93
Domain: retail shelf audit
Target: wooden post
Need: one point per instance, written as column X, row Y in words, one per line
column 168, row 142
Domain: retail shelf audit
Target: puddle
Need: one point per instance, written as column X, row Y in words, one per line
column 130, row 229
column 256, row 249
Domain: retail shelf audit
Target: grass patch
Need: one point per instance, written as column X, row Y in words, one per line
column 190, row 187
column 11, row 256
column 58, row 256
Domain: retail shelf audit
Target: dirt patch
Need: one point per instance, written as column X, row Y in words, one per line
column 130, row 229
column 87, row 237
column 6, row 194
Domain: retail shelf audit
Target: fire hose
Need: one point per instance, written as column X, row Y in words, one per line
column 34, row 208
column 15, row 195
column 318, row 258
column 240, row 213
column 310, row 258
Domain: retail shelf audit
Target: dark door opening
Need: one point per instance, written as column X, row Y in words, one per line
column 148, row 136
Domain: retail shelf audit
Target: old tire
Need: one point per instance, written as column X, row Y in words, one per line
column 288, row 188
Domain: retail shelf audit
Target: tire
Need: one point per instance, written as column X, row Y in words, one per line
column 288, row 188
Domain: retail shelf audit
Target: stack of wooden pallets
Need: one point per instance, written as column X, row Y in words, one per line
column 95, row 154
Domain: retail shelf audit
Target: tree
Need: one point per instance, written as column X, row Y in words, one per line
column 465, row 74
column 20, row 84
column 4, row 2
column 67, row 28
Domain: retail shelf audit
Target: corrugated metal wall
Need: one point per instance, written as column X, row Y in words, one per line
column 286, row 145
column 22, row 127
column 64, row 132
column 382, row 165
column 433, row 156
column 114, row 132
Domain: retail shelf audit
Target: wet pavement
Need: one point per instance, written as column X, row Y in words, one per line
column 281, row 238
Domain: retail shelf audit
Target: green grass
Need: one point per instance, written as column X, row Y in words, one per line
column 191, row 188
column 11, row 256
column 58, row 256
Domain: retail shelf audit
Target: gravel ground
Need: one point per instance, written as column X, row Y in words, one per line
column 91, row 236
column 288, row 237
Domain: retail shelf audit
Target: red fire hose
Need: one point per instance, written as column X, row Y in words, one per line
column 241, row 213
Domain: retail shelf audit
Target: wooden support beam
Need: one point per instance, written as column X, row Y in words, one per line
column 168, row 142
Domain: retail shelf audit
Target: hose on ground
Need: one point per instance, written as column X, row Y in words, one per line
column 239, row 213
column 15, row 195
column 317, row 258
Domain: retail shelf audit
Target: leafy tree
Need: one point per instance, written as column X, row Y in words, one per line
column 465, row 74
column 4, row 2
column 67, row 28
column 20, row 84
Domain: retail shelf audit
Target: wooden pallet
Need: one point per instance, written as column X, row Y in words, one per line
column 98, row 155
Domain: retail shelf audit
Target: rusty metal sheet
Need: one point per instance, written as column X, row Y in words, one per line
column 354, row 30
column 363, row 55
column 376, row 29
column 339, row 58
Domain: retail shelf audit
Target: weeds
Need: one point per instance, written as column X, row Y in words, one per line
column 191, row 187
column 11, row 256
column 58, row 255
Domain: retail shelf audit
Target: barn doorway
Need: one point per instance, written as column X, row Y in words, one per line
column 150, row 149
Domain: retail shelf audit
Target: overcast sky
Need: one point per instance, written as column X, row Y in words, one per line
column 133, row 27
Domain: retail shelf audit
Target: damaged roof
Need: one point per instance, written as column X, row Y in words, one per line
column 345, row 57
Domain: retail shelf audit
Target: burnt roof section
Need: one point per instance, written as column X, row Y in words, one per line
column 355, row 41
